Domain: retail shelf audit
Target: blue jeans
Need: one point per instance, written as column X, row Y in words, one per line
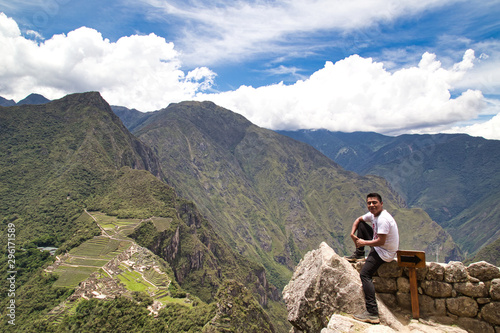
column 372, row 263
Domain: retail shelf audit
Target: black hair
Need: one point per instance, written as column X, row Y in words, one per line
column 374, row 195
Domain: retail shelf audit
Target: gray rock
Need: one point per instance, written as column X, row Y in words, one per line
column 390, row 270
column 495, row 290
column 462, row 306
column 455, row 271
column 483, row 271
column 385, row 285
column 472, row 289
column 475, row 325
column 324, row 284
column 490, row 312
column 343, row 324
column 435, row 271
column 403, row 285
column 437, row 288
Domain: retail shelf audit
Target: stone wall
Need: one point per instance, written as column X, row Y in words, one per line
column 448, row 293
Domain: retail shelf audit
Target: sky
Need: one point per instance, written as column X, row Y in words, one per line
column 387, row 66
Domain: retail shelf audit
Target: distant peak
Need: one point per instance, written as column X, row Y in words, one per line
column 89, row 98
column 33, row 99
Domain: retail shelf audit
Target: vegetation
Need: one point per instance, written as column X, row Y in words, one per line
column 34, row 299
column 238, row 311
column 489, row 254
column 454, row 177
column 126, row 315
column 74, row 178
column 73, row 155
column 270, row 198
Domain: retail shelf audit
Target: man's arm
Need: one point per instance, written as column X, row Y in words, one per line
column 379, row 241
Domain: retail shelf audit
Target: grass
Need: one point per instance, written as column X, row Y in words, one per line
column 171, row 300
column 133, row 281
column 161, row 223
column 70, row 277
column 114, row 226
column 157, row 278
column 87, row 262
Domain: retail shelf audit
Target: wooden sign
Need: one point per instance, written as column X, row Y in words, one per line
column 412, row 260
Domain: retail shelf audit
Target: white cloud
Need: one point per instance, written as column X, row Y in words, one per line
column 358, row 94
column 488, row 129
column 353, row 94
column 142, row 72
column 234, row 30
column 486, row 74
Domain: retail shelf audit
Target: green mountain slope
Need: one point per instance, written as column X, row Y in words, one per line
column 270, row 197
column 55, row 156
column 74, row 153
column 452, row 177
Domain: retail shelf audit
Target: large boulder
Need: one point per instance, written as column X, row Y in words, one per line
column 324, row 284
column 343, row 324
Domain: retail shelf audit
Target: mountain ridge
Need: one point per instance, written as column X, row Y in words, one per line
column 452, row 176
column 74, row 153
column 277, row 197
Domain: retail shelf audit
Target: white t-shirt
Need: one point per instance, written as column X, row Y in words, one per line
column 384, row 224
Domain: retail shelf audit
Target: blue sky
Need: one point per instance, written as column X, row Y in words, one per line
column 389, row 66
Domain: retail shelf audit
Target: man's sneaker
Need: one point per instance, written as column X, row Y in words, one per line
column 367, row 317
column 355, row 257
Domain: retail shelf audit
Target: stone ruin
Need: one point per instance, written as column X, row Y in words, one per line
column 98, row 287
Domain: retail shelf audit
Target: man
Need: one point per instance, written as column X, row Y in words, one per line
column 383, row 237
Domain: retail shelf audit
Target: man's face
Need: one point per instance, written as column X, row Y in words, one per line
column 374, row 206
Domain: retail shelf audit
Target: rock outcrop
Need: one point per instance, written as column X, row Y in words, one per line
column 325, row 290
column 324, row 284
column 238, row 311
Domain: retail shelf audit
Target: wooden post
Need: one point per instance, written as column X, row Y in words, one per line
column 412, row 260
column 414, row 293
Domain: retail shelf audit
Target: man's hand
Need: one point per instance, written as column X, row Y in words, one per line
column 359, row 242
column 379, row 241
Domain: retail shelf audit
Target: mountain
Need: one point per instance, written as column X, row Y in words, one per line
column 57, row 155
column 131, row 118
column 30, row 99
column 453, row 177
column 33, row 99
column 68, row 155
column 6, row 102
column 269, row 197
column 488, row 253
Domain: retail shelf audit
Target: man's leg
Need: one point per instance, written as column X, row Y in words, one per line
column 365, row 232
column 371, row 265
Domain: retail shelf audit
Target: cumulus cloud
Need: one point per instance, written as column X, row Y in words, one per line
column 359, row 94
column 142, row 72
column 488, row 129
column 353, row 94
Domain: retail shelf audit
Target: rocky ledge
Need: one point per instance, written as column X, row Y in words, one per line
column 325, row 291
